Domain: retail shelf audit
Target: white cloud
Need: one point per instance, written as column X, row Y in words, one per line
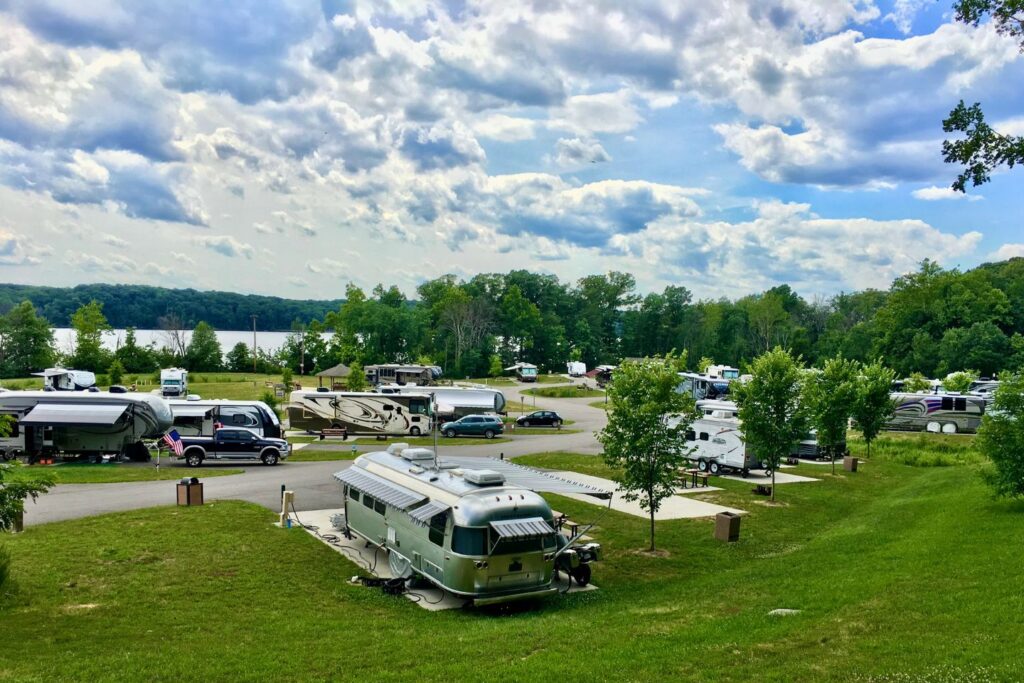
column 576, row 152
column 1007, row 251
column 225, row 245
column 17, row 250
column 505, row 128
column 114, row 241
column 934, row 193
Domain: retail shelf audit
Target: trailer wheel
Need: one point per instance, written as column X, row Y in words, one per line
column 949, row 428
column 767, row 471
column 450, row 433
column 489, row 434
column 193, row 458
column 702, row 465
column 715, row 468
column 415, row 431
column 581, row 574
column 269, row 458
column 745, row 472
column 5, row 456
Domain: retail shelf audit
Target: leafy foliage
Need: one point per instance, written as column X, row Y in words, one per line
column 916, row 383
column 774, row 417
column 645, row 436
column 1001, row 438
column 831, row 397
column 15, row 489
column 89, row 324
column 356, row 380
column 874, row 404
column 115, row 373
column 959, row 381
column 203, row 353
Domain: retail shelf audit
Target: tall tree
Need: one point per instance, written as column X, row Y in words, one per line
column 1001, row 438
column 26, row 342
column 89, row 324
column 203, row 353
column 645, row 435
column 831, row 397
column 874, row 404
column 239, row 358
column 770, row 407
column 135, row 358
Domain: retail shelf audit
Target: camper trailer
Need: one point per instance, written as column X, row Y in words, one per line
column 62, row 379
column 947, row 413
column 726, row 372
column 702, row 387
column 473, row 526
column 174, row 382
column 524, row 372
column 90, row 424
column 603, row 374
column 716, row 439
column 360, row 413
column 393, row 373
column 575, row 368
column 203, row 418
column 451, row 403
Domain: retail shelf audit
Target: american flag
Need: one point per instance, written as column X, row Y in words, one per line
column 173, row 439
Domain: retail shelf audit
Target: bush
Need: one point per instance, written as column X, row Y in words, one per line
column 270, row 399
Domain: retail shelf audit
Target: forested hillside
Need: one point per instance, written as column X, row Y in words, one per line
column 142, row 307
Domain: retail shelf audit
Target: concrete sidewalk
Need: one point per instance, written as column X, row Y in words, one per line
column 673, row 507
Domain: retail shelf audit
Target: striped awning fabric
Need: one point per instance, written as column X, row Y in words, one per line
column 391, row 494
column 522, row 528
column 423, row 513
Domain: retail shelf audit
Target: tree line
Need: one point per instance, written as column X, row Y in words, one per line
column 932, row 321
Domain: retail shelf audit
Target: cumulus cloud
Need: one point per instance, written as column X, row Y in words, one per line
column 506, row 128
column 576, row 152
column 114, row 241
column 226, row 245
column 16, row 249
column 1007, row 251
column 934, row 193
column 441, row 146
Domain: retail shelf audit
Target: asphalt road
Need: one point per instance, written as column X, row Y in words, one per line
column 315, row 488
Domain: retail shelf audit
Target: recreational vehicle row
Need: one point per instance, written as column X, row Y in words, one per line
column 451, row 403
column 360, row 413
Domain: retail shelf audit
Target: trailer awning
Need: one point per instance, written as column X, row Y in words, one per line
column 527, row 477
column 423, row 513
column 191, row 411
column 391, row 494
column 522, row 528
column 73, row 414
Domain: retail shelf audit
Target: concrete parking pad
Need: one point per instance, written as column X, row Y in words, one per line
column 780, row 478
column 375, row 564
column 673, row 507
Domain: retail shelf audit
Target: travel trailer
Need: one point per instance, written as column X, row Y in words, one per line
column 197, row 417
column 62, row 379
column 174, row 382
column 393, row 373
column 525, row 372
column 454, row 402
column 475, row 527
column 360, row 413
column 90, row 424
column 725, row 372
column 702, row 387
column 575, row 368
column 947, row 413
column 603, row 374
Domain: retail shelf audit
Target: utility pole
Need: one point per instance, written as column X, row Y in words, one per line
column 254, row 343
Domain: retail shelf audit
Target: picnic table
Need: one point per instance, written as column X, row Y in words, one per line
column 695, row 476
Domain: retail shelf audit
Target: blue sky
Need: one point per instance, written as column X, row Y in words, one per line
column 291, row 147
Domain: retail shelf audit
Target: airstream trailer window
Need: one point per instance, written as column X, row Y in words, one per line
column 352, row 493
column 368, row 501
column 511, row 546
column 378, row 506
column 469, row 541
column 437, row 525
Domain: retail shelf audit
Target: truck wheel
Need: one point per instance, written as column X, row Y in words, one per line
column 269, row 458
column 193, row 458
column 702, row 465
column 450, row 433
column 415, row 431
column 489, row 434
column 715, row 468
column 581, row 574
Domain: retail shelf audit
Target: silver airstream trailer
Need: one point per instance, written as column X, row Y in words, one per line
column 473, row 526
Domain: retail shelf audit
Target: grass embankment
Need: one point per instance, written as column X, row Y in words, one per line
column 568, row 391
column 899, row 573
column 115, row 473
column 919, row 448
column 602, row 405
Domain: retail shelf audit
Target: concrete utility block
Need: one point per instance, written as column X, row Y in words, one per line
column 850, row 464
column 727, row 527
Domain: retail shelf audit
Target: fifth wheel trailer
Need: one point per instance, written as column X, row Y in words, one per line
column 83, row 423
column 360, row 412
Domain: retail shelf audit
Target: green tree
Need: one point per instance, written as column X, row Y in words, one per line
column 286, row 377
column 982, row 346
column 831, row 397
column 89, row 324
column 1001, row 438
column 356, row 380
column 874, row 405
column 14, row 490
column 115, row 372
column 645, row 435
column 704, row 363
column 239, row 359
column 26, row 342
column 495, row 368
column 959, row 382
column 203, row 353
column 916, row 383
column 135, row 358
column 770, row 407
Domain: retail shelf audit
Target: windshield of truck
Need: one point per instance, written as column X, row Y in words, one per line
column 529, row 372
column 172, row 382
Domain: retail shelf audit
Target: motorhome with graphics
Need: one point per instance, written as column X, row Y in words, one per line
column 946, row 413
column 89, row 424
column 454, row 402
column 197, row 417
column 475, row 527
column 360, row 413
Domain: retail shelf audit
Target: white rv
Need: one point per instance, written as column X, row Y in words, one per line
column 525, row 372
column 947, row 413
column 725, row 372
column 174, row 382
column 575, row 368
column 196, row 417
column 83, row 423
column 454, row 402
column 360, row 412
column 62, row 379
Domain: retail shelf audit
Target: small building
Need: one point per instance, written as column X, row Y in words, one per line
column 339, row 371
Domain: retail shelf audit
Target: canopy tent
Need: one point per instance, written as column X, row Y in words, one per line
column 339, row 371
column 74, row 414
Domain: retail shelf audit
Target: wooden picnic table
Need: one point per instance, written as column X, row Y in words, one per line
column 695, row 476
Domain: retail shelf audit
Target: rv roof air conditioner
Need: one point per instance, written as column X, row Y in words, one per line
column 417, row 454
column 483, row 477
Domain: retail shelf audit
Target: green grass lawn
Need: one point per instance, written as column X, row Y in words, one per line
column 552, row 379
column 900, row 574
column 575, row 462
column 603, row 405
column 571, row 391
column 113, row 473
column 319, row 455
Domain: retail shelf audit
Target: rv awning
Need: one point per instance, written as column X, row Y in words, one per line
column 380, row 488
column 423, row 513
column 73, row 414
column 522, row 528
column 527, row 477
column 191, row 411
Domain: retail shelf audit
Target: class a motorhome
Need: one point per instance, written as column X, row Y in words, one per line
column 936, row 412
column 62, row 379
column 575, row 368
column 702, row 387
column 473, row 526
column 360, row 413
column 174, row 382
column 451, row 403
column 525, row 372
column 394, row 373
column 83, row 423
column 726, row 372
column 197, row 417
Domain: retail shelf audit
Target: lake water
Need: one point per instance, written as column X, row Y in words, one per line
column 267, row 341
